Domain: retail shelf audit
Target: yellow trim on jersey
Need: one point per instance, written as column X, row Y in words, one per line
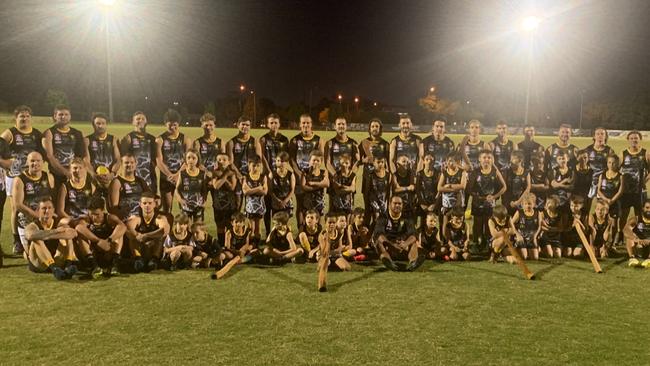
column 127, row 179
column 66, row 130
column 35, row 179
column 198, row 171
column 77, row 187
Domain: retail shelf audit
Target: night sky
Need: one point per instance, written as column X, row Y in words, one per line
column 390, row 51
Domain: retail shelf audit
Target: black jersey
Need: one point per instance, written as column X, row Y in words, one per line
column 339, row 148
column 101, row 151
column 409, row 147
column 529, row 148
column 300, row 149
column 429, row 241
column 145, row 227
column 453, row 199
column 67, row 145
column 312, row 237
column 279, row 241
column 173, row 151
column 208, row 151
column 554, row 150
column 341, row 201
column 406, row 179
column 539, row 177
column 173, row 241
column 502, row 153
column 457, row 235
column 553, row 226
column 472, row 151
column 484, row 184
column 53, row 244
column 238, row 241
column 241, row 151
column 426, row 187
column 399, row 228
column 439, row 149
column 634, row 168
column 516, row 183
column 103, row 230
column 582, row 181
column 193, row 189
column 563, row 193
column 208, row 245
column 528, row 225
column 23, row 143
column 78, row 197
column 281, row 186
column 600, row 228
column 610, row 186
column 377, row 148
column 499, row 226
column 225, row 199
column 315, row 199
column 272, row 146
column 143, row 148
column 598, row 160
column 34, row 189
column 642, row 228
column 378, row 189
column 130, row 193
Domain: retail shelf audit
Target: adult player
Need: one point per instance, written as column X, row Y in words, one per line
column 209, row 145
column 171, row 146
column 471, row 146
column 272, row 144
column 239, row 149
column 406, row 143
column 146, row 231
column 75, row 194
column 142, row 146
column 634, row 167
column 22, row 139
column 339, row 145
column 529, row 147
column 300, row 148
column 502, row 147
column 437, row 144
column 373, row 146
column 125, row 190
column 395, row 237
column 561, row 146
column 102, row 154
column 62, row 143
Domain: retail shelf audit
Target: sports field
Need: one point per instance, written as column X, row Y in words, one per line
column 451, row 313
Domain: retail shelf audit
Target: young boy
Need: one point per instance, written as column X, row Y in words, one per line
column 561, row 180
column 426, row 188
column 583, row 177
column 528, row 224
column 282, row 185
column 539, row 184
column 517, row 182
column 501, row 229
column 637, row 238
column 552, row 228
column 601, row 226
column 331, row 248
column 192, row 186
column 610, row 189
column 314, row 183
column 358, row 236
column 343, row 187
column 255, row 187
column 377, row 189
column 178, row 246
column 430, row 238
column 404, row 184
column 309, row 233
column 456, row 236
column 570, row 239
column 486, row 187
column 451, row 185
column 207, row 251
column 224, row 182
column 279, row 242
column 237, row 246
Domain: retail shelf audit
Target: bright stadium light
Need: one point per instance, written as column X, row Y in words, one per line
column 530, row 23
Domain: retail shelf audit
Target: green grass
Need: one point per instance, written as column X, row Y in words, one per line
column 461, row 313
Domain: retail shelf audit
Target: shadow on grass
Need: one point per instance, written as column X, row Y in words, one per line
column 309, row 286
column 551, row 266
column 614, row 263
column 521, row 276
column 335, row 287
column 13, row 265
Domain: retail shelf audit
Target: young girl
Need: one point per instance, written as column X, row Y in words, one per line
column 583, row 176
column 552, row 228
column 224, row 182
column 571, row 240
column 610, row 189
column 237, row 246
column 501, row 229
column 178, row 246
column 517, row 182
column 561, row 181
column 451, row 185
column 539, row 184
column 207, row 251
column 601, row 226
column 430, row 238
column 456, row 236
column 314, row 182
column 255, row 188
column 330, row 246
column 309, row 233
column 343, row 187
column 404, row 185
column 283, row 184
column 192, row 187
column 486, row 187
column 279, row 242
column 527, row 223
column 426, row 188
column 378, row 189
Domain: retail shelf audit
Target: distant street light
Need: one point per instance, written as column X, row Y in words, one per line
column 356, row 99
column 432, row 89
column 242, row 87
column 374, row 104
column 176, row 103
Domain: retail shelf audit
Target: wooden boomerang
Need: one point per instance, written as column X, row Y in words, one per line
column 589, row 248
column 519, row 260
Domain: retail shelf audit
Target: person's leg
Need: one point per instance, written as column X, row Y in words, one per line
column 40, row 259
column 323, row 264
column 577, row 252
column 166, row 194
column 523, row 252
column 343, row 264
column 267, row 213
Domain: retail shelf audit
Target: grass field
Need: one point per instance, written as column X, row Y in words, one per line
column 461, row 313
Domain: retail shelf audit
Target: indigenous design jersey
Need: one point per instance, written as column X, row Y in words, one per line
column 281, row 186
column 634, row 168
column 103, row 230
column 408, row 197
column 429, row 241
column 173, row 152
column 502, row 153
column 339, row 148
column 394, row 228
column 377, row 192
column 145, row 227
column 554, row 227
column 599, row 237
column 438, row 149
column 23, row 143
column 101, row 151
column 484, row 184
column 143, row 148
column 426, row 188
column 409, row 147
column 562, row 193
column 539, row 177
column 78, row 197
column 529, row 148
column 130, row 193
column 52, row 245
column 642, row 228
column 279, row 241
column 453, row 199
column 224, row 198
column 67, row 145
column 376, row 148
column 255, row 205
column 315, row 199
column 272, row 146
column 241, row 150
column 554, row 150
column 499, row 226
column 193, row 189
column 34, row 190
column 208, row 151
column 209, row 246
column 516, row 183
column 172, row 241
column 457, row 235
column 528, row 225
column 300, row 149
column 610, row 186
column 582, row 182
column 597, row 161
column 472, row 151
column 341, row 201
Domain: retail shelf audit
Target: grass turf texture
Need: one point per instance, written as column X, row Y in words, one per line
column 461, row 313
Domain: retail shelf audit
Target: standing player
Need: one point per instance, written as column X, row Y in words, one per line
column 517, row 182
column 539, row 181
column 125, row 190
column 502, row 147
column 255, row 187
column 562, row 146
column 582, row 182
column 406, row 143
column 634, row 167
column 301, row 147
column 561, row 180
column 74, row 195
column 451, row 185
column 437, row 144
column 529, row 147
column 102, row 154
column 374, row 146
column 378, row 187
column 486, row 186
column 141, row 145
column 239, row 149
column 171, row 146
column 22, row 140
column 340, row 145
column 343, row 186
column 597, row 154
column 208, row 145
column 403, row 184
column 282, row 184
column 472, row 145
column 146, row 231
column 192, row 187
column 426, row 188
column 610, row 188
column 314, row 183
column 62, row 143
column 225, row 204
column 272, row 144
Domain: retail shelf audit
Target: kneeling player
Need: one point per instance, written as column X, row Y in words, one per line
column 358, row 236
column 456, row 236
column 330, row 246
column 50, row 246
column 637, row 238
column 207, row 251
column 601, row 226
column 552, row 228
column 527, row 222
column 178, row 245
column 501, row 229
column 394, row 237
column 146, row 232
column 280, row 243
column 571, row 241
column 100, row 237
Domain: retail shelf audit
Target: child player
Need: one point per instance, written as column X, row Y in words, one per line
column 561, row 181
column 178, row 246
column 429, row 238
column 552, row 228
column 583, row 177
column 224, row 182
column 358, row 235
column 330, row 246
column 255, row 187
column 570, row 239
column 309, row 233
column 313, row 184
column 192, row 187
column 343, row 187
column 404, row 184
column 451, row 185
column 378, row 189
column 279, row 242
column 601, row 226
column 527, row 223
column 637, row 238
column 486, row 186
column 610, row 188
column 426, row 188
column 282, row 185
column 456, row 235
column 207, row 251
column 501, row 229
column 539, row 184
column 237, row 245
column 517, row 182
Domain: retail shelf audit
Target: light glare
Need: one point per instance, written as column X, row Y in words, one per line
column 530, row 23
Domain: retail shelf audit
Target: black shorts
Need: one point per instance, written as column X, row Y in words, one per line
column 571, row 239
column 629, row 200
column 165, row 185
column 527, row 243
column 553, row 241
column 222, row 217
column 615, row 209
column 481, row 208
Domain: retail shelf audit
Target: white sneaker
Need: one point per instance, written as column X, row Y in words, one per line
column 633, row 262
column 646, row 263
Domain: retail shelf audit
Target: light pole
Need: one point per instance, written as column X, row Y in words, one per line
column 529, row 25
column 242, row 87
column 107, row 6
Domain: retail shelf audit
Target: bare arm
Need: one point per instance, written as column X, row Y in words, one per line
column 32, row 233
column 60, row 204
column 164, row 169
column 391, row 157
column 17, row 198
column 54, row 164
column 114, row 195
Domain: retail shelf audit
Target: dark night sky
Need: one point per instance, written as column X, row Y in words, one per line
column 390, row 51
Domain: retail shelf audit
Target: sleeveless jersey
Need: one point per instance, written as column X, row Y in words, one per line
column 208, row 152
column 173, row 152
column 130, row 193
column 279, row 241
column 209, row 245
column 528, row 148
column 610, row 186
column 225, row 199
column 600, row 229
column 398, row 228
column 143, row 148
column 272, row 146
column 238, row 241
column 499, row 226
column 377, row 191
column 553, row 223
column 300, row 149
column 103, row 230
column 429, row 241
column 53, row 244
column 378, row 148
column 597, row 161
column 34, row 190
column 338, row 149
column 172, row 241
column 341, row 201
column 438, row 149
column 473, row 151
column 409, row 147
column 315, row 199
column 453, row 199
column 642, row 228
column 101, row 151
column 554, row 150
column 562, row 193
column 78, row 198
column 241, row 150
column 67, row 145
column 408, row 197
column 426, row 188
column 193, row 189
column 634, row 167
column 21, row 145
column 457, row 236
column 502, row 153
column 255, row 204
column 312, row 237
column 539, row 177
column 281, row 186
column 582, row 181
column 515, row 183
column 484, row 184
column 145, row 227
column 528, row 225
